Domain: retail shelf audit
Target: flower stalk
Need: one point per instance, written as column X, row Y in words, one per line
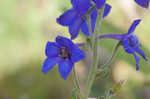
column 94, row 65
column 76, row 81
column 107, row 64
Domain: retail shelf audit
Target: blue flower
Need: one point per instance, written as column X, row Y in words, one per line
column 130, row 42
column 143, row 3
column 75, row 18
column 64, row 53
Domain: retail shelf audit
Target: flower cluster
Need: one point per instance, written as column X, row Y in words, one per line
column 65, row 53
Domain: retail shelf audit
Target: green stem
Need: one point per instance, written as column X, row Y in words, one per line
column 95, row 56
column 108, row 96
column 77, row 85
column 75, row 78
column 93, row 69
column 105, row 65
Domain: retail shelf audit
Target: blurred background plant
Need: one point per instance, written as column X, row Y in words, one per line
column 26, row 26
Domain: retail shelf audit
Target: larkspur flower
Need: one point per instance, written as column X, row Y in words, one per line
column 75, row 18
column 143, row 3
column 64, row 53
column 129, row 41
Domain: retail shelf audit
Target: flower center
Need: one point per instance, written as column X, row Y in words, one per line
column 64, row 53
column 133, row 40
column 83, row 17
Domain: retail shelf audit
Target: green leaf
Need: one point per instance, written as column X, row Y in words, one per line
column 75, row 93
column 101, row 97
column 117, row 87
column 102, row 74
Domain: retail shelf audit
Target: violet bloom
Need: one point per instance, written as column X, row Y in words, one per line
column 64, row 53
column 143, row 3
column 75, row 18
column 130, row 42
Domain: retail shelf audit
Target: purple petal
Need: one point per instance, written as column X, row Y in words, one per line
column 65, row 68
column 139, row 51
column 137, row 59
column 133, row 26
column 81, row 6
column 94, row 1
column 100, row 3
column 113, row 36
column 73, row 2
column 85, row 29
column 77, row 54
column 93, row 18
column 106, row 10
column 49, row 63
column 67, row 17
column 143, row 3
column 130, row 50
column 52, row 49
column 63, row 41
column 75, row 27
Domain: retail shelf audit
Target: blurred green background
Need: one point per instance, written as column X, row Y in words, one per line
column 26, row 26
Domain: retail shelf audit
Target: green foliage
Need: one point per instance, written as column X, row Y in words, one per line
column 75, row 92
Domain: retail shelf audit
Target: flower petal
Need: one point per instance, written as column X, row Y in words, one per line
column 77, row 54
column 63, row 41
column 133, row 26
column 52, row 49
column 130, row 50
column 75, row 27
column 93, row 18
column 137, row 59
column 65, row 68
column 107, row 9
column 139, row 51
column 67, row 17
column 85, row 29
column 49, row 63
column 81, row 6
column 73, row 2
column 143, row 3
column 100, row 3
